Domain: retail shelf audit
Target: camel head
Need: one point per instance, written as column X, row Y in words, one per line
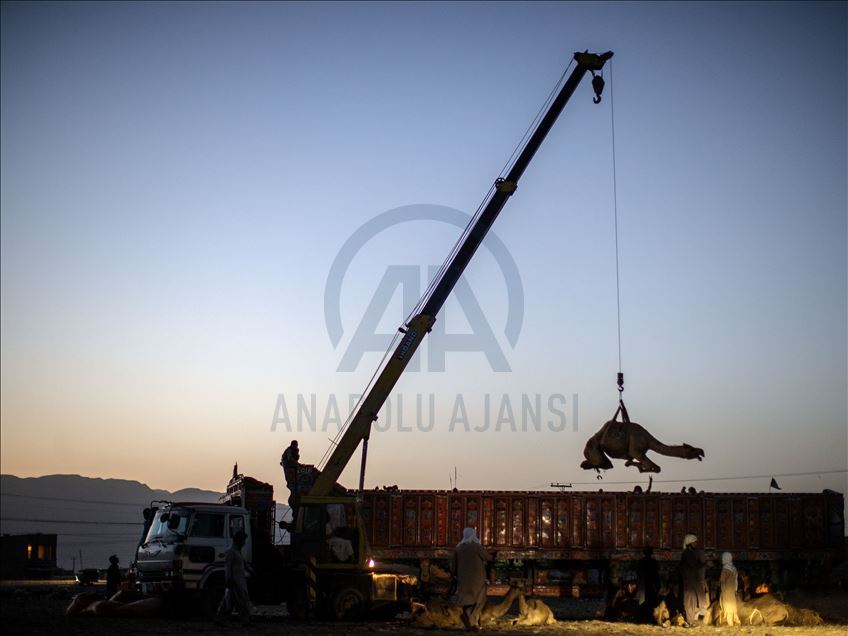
column 692, row 452
column 515, row 588
column 595, row 457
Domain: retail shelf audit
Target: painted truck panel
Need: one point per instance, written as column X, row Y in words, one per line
column 596, row 525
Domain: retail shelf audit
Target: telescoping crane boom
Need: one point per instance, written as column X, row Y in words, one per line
column 421, row 321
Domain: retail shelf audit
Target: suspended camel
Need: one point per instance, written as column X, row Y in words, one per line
column 630, row 441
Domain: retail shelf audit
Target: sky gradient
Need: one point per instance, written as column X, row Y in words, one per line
column 178, row 178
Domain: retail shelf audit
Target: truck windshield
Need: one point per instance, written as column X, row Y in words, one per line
column 168, row 525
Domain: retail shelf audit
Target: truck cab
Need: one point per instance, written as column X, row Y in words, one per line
column 185, row 546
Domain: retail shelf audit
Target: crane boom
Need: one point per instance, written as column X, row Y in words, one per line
column 421, row 323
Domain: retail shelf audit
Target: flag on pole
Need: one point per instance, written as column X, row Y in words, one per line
column 774, row 485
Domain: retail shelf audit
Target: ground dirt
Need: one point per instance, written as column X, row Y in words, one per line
column 41, row 611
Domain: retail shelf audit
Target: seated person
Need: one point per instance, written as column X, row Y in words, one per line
column 337, row 533
column 625, row 604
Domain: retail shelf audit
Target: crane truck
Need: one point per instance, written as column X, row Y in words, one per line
column 326, row 569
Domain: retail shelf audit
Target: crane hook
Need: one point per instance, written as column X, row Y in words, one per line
column 598, row 87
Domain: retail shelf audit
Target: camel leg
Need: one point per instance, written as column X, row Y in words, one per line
column 644, row 464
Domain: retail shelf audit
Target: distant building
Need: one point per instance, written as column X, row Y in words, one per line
column 27, row 556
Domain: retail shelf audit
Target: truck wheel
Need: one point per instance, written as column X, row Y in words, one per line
column 348, row 604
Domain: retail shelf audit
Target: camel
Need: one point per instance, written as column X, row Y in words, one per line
column 533, row 612
column 440, row 613
column 629, row 440
column 765, row 610
column 437, row 613
column 717, row 616
column 123, row 603
column 665, row 618
column 803, row 616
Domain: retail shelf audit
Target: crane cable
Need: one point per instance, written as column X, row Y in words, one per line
column 621, row 410
column 620, row 375
column 615, row 217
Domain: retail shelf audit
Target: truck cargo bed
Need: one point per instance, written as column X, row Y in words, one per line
column 427, row 524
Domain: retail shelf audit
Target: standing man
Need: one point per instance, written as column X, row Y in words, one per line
column 693, row 571
column 289, row 462
column 236, row 580
column 113, row 577
column 648, row 579
column 469, row 568
column 728, row 584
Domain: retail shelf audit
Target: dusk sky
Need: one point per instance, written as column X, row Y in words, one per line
column 177, row 180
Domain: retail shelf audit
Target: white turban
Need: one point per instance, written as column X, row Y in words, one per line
column 469, row 535
column 689, row 538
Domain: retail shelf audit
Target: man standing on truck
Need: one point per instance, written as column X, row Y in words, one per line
column 235, row 576
column 469, row 568
column 289, row 462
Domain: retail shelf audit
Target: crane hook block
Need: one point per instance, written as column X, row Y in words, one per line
column 598, row 87
column 620, row 381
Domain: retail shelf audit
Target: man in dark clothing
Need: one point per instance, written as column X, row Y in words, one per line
column 624, row 606
column 289, row 462
column 693, row 570
column 648, row 581
column 113, row 577
column 235, row 577
column 469, row 568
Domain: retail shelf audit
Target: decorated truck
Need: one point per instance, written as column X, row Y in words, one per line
column 570, row 543
column 184, row 546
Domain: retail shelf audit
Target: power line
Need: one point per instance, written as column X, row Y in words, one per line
column 99, row 534
column 95, row 523
column 88, row 501
column 95, row 541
